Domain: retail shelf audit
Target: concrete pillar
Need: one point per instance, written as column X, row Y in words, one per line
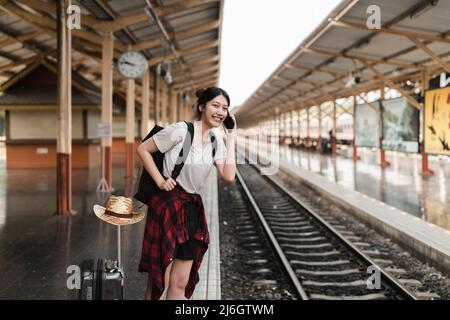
column 299, row 124
column 319, row 142
column 157, row 99
column 383, row 161
column 425, row 169
column 355, row 149
column 308, row 135
column 333, row 138
column 107, row 101
column 64, row 115
column 130, row 121
column 145, row 104
column 163, row 104
column 173, row 105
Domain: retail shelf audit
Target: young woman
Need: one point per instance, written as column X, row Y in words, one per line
column 176, row 235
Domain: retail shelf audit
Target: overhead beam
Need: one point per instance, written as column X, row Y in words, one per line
column 391, row 84
column 357, row 57
column 48, row 23
column 21, row 38
column 155, row 60
column 190, row 32
column 198, row 73
column 126, row 21
column 50, row 8
column 415, row 35
column 198, row 62
column 13, row 65
column 433, row 55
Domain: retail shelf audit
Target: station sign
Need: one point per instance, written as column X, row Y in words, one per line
column 103, row 130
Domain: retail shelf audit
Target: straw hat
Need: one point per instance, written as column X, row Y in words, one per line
column 118, row 211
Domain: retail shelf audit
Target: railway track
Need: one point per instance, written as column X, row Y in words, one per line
column 317, row 259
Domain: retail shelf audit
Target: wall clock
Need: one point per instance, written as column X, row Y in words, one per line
column 132, row 64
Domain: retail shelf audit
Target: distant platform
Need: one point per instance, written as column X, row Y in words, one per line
column 425, row 197
column 352, row 186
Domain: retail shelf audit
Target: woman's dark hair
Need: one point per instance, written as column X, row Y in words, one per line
column 205, row 95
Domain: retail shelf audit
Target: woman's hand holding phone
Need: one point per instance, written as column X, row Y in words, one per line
column 230, row 122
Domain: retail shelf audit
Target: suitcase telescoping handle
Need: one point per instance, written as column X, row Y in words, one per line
column 119, row 251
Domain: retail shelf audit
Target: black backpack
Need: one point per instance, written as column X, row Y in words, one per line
column 147, row 186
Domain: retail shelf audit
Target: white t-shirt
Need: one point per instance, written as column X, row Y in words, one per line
column 199, row 160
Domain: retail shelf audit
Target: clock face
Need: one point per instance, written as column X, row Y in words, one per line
column 132, row 64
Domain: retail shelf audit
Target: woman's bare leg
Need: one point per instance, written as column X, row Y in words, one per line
column 148, row 292
column 179, row 277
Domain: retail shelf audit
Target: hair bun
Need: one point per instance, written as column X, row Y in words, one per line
column 199, row 92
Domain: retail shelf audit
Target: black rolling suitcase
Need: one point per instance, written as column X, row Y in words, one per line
column 102, row 279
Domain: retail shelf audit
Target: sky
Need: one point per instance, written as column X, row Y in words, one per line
column 257, row 35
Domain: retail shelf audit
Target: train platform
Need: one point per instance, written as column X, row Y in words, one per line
column 358, row 187
column 425, row 197
column 38, row 246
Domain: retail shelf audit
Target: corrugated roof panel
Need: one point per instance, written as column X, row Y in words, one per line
column 195, row 13
column 203, row 38
column 203, row 66
column 302, row 86
column 335, row 39
column 434, row 21
column 145, row 31
column 23, row 53
column 282, row 83
column 269, row 91
column 12, row 47
column 291, row 92
column 194, row 56
column 320, row 76
column 389, row 9
column 382, row 45
column 128, row 7
column 192, row 17
column 418, row 55
column 292, row 73
column 311, row 59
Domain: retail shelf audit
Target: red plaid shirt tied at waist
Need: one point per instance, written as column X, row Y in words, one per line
column 165, row 227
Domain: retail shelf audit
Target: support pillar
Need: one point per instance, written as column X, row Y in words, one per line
column 333, row 135
column 425, row 169
column 383, row 162
column 107, row 103
column 173, row 105
column 157, row 99
column 308, row 131
column 64, row 115
column 145, row 104
column 319, row 141
column 355, row 149
column 163, row 103
column 130, row 121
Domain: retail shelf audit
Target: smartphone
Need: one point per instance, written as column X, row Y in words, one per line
column 228, row 122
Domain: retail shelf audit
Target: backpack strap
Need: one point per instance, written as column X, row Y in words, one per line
column 214, row 144
column 186, row 147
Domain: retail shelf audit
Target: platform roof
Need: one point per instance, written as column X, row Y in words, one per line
column 414, row 35
column 28, row 32
column 35, row 88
